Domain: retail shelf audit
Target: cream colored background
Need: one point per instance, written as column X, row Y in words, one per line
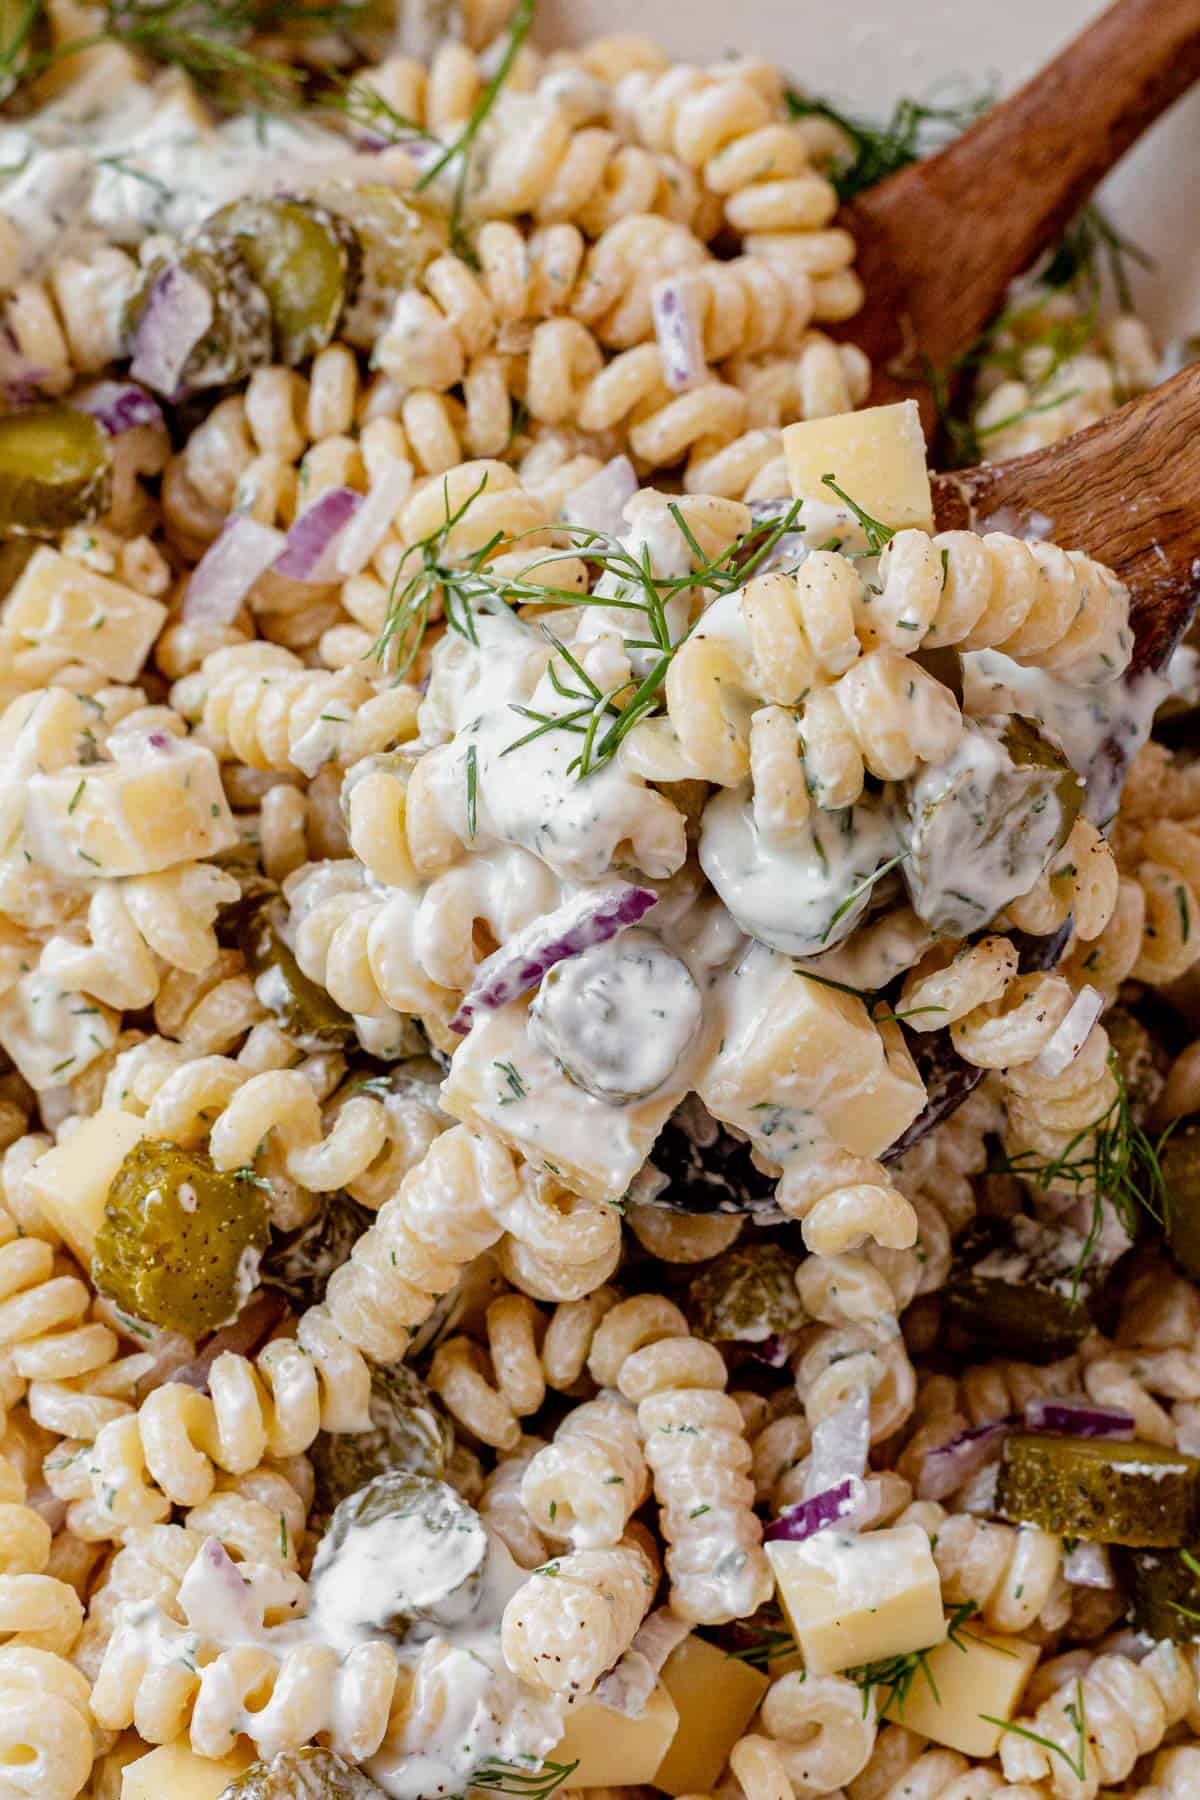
column 866, row 52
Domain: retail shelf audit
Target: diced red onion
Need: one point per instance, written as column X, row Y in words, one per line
column 598, row 504
column 678, row 327
column 177, row 314
column 659, row 1633
column 592, row 917
column 1089, row 1565
column 242, row 551
column 773, row 1350
column 629, row 1684
column 373, row 520
column 1079, row 1418
column 1065, row 1044
column 841, row 1444
column 797, row 1523
column 310, row 553
column 118, row 406
column 946, row 1468
column 242, row 1336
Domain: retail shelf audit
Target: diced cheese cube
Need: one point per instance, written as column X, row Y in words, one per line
column 505, row 1084
column 974, row 1675
column 175, row 1772
column 39, row 732
column 160, row 804
column 877, row 456
column 852, row 1599
column 51, row 1034
column 99, row 622
column 800, row 1063
column 716, row 1697
column 614, row 1750
column 70, row 1183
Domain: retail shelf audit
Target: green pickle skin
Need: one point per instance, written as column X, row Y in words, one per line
column 302, row 1008
column 1090, row 1488
column 1180, row 1160
column 310, row 1774
column 304, row 260
column 55, row 471
column 174, row 1259
column 1164, row 1593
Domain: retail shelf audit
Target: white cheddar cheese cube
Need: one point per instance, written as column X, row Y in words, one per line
column 70, row 1183
column 160, row 803
column 614, row 1750
column 801, row 1063
column 716, row 1697
column 99, row 622
column 877, row 456
column 852, row 1599
column 53, row 1035
column 977, row 1674
column 175, row 1772
column 503, row 1083
column 39, row 732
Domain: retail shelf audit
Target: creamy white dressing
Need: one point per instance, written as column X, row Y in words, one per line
column 804, row 896
column 1100, row 728
column 620, row 1017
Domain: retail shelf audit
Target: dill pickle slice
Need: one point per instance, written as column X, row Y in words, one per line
column 55, row 471
column 1013, row 1291
column 238, row 338
column 180, row 1241
column 1140, row 1495
column 1164, row 1592
column 303, row 258
column 310, row 1774
column 408, row 1433
column 303, row 1009
column 1179, row 1160
column 397, row 243
column 426, row 1557
column 748, row 1296
column 999, row 808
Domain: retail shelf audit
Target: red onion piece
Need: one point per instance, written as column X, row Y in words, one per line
column 797, row 1523
column 1065, row 1044
column 118, row 406
column 309, row 553
column 589, row 918
column 177, row 313
column 214, row 1590
column 374, row 518
column 677, row 326
column 598, row 504
column 1089, row 1565
column 243, row 1335
column 953, row 1462
column 841, row 1444
column 773, row 1350
column 1079, row 1418
column 241, row 552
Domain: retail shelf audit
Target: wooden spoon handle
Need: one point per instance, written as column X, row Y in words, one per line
column 939, row 242
column 1126, row 490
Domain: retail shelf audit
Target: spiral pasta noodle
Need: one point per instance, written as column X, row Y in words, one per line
column 818, row 1732
column 609, row 1590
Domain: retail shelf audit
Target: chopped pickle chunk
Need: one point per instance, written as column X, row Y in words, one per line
column 404, row 1551
column 55, row 471
column 310, row 1774
column 981, row 827
column 238, row 337
column 1134, row 1494
column 304, row 260
column 1014, row 1291
column 748, row 1296
column 301, row 1263
column 304, row 1010
column 396, row 241
column 179, row 1242
column 1164, row 1588
column 408, row 1434
column 1180, row 1162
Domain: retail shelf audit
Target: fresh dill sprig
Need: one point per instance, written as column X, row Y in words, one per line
column 15, row 44
column 1075, row 1712
column 536, row 1783
column 1192, row 1564
column 600, row 719
column 472, row 789
column 764, row 1639
column 915, row 129
column 864, row 887
column 1112, row 1158
column 879, row 535
column 894, row 1675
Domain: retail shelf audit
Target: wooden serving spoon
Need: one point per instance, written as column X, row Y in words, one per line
column 939, row 242
column 1127, row 491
